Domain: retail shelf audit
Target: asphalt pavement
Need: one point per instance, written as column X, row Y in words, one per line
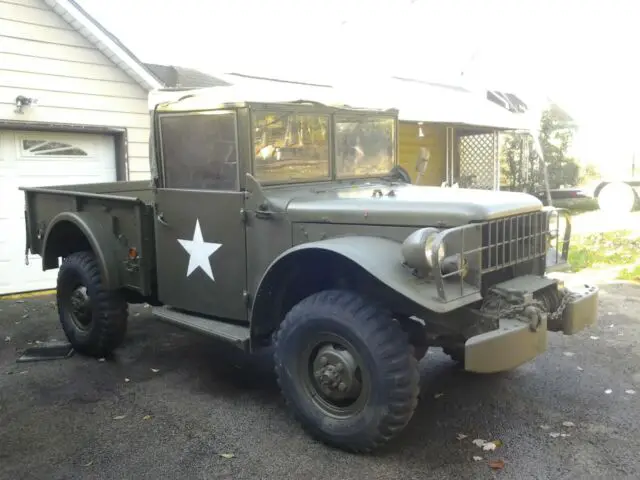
column 173, row 405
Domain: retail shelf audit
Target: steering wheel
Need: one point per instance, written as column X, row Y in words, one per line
column 400, row 173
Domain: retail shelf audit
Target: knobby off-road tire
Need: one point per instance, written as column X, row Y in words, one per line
column 93, row 319
column 372, row 397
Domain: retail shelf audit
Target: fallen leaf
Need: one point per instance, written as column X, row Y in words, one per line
column 545, row 427
column 630, row 391
column 568, row 424
column 227, row 455
column 7, row 339
column 438, row 395
column 119, row 417
column 489, row 447
column 476, row 458
column 497, row 464
column 568, row 354
column 611, row 326
column 147, row 417
column 88, row 464
column 478, row 442
column 554, row 435
column 101, row 359
column 155, row 370
column 593, row 337
column 126, row 380
column 461, row 436
column 608, row 391
column 580, row 369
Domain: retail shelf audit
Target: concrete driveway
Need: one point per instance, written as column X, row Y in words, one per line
column 175, row 405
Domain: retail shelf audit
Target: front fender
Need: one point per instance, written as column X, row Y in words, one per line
column 96, row 234
column 378, row 257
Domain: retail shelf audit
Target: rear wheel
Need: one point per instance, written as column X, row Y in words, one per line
column 347, row 371
column 93, row 319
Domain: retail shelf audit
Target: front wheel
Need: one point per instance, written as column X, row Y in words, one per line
column 346, row 370
column 93, row 319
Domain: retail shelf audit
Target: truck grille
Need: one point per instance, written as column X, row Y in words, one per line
column 512, row 240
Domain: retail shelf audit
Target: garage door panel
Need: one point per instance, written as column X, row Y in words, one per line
column 39, row 159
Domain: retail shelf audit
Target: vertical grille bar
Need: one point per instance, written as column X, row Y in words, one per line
column 512, row 240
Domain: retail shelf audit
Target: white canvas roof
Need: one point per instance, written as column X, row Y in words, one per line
column 416, row 102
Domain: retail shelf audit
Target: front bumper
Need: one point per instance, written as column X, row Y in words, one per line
column 515, row 343
column 582, row 311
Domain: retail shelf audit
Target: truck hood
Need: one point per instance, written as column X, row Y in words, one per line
column 397, row 204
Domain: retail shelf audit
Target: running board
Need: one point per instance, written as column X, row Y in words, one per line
column 237, row 335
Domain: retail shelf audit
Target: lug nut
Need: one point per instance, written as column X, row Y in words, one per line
column 342, row 387
column 339, row 367
column 323, row 361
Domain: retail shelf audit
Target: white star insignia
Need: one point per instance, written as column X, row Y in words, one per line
column 199, row 252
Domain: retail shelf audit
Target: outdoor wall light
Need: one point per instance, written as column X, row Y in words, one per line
column 22, row 102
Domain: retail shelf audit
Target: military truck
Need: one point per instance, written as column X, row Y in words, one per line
column 288, row 225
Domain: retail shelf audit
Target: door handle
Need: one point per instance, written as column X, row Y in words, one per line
column 161, row 219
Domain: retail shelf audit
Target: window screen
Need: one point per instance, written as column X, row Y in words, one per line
column 199, row 150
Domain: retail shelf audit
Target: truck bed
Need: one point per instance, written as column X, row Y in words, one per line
column 118, row 214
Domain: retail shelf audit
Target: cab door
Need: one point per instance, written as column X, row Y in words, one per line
column 199, row 229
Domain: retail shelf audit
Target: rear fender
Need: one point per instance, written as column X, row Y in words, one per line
column 377, row 260
column 69, row 232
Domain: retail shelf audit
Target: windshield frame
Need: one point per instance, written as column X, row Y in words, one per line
column 332, row 114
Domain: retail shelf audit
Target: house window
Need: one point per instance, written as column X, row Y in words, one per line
column 199, row 150
column 41, row 147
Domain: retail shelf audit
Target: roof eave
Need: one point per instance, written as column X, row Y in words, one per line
column 96, row 34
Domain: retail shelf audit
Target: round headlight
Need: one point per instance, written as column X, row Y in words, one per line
column 417, row 249
column 428, row 250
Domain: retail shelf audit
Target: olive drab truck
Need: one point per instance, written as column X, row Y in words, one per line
column 286, row 224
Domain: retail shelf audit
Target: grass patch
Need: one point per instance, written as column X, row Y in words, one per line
column 631, row 274
column 619, row 249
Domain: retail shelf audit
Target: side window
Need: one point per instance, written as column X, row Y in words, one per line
column 199, row 150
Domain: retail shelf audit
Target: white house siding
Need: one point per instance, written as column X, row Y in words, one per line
column 42, row 56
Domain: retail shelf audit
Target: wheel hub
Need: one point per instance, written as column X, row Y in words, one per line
column 335, row 372
column 80, row 307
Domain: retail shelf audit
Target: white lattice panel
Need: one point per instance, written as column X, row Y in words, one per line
column 477, row 155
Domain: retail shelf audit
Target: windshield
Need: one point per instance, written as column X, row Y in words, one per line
column 290, row 146
column 364, row 146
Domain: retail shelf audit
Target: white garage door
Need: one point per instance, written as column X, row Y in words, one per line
column 31, row 159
